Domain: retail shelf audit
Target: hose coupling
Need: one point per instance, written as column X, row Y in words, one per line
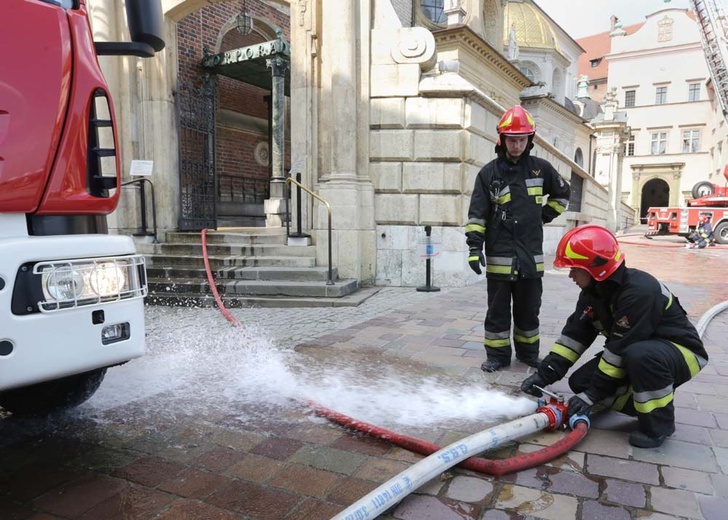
column 555, row 410
column 576, row 419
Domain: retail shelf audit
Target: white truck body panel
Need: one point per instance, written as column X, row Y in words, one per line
column 48, row 346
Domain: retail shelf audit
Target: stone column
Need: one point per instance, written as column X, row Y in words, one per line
column 274, row 206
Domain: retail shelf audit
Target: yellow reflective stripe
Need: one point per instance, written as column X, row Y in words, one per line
column 498, row 269
column 497, row 342
column 653, row 404
column 690, row 359
column 475, row 258
column 611, row 370
column 504, row 199
column 565, row 352
column 669, row 302
column 539, row 267
column 621, row 401
column 475, row 227
column 559, row 208
column 525, row 339
column 570, row 253
column 536, row 190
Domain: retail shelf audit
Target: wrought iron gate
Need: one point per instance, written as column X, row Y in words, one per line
column 196, row 109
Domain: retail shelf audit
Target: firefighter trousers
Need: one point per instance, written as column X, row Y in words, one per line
column 654, row 369
column 526, row 296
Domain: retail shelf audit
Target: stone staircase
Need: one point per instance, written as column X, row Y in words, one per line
column 252, row 267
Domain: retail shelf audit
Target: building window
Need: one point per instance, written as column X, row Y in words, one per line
column 434, row 11
column 659, row 143
column 660, row 95
column 691, row 141
column 694, row 92
column 595, row 62
column 629, row 146
column 629, row 96
column 528, row 72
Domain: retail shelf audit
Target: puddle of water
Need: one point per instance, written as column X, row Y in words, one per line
column 216, row 373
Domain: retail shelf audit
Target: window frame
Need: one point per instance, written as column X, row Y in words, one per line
column 693, row 92
column 661, row 95
column 630, row 95
column 691, row 140
column 656, row 139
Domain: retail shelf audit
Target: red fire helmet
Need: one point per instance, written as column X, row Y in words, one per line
column 591, row 248
column 516, row 121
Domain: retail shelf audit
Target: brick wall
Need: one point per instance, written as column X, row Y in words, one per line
column 198, row 33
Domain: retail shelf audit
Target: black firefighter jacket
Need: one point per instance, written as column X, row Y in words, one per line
column 629, row 306
column 507, row 214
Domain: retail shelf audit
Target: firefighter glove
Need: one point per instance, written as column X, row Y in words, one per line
column 531, row 382
column 476, row 259
column 578, row 406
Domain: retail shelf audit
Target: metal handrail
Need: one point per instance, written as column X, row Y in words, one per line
column 143, row 204
column 330, row 281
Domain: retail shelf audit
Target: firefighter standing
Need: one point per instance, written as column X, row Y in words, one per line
column 506, row 215
column 651, row 347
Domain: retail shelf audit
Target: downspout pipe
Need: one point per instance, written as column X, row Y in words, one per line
column 397, row 488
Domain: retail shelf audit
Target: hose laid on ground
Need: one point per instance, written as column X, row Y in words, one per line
column 211, row 281
column 494, row 467
column 398, row 487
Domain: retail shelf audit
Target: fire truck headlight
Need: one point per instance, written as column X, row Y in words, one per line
column 108, row 279
column 63, row 283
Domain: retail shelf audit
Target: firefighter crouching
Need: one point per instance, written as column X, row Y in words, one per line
column 651, row 347
column 506, row 215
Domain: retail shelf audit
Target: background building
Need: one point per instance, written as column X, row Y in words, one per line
column 390, row 110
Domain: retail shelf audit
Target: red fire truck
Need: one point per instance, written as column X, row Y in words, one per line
column 71, row 295
column 709, row 199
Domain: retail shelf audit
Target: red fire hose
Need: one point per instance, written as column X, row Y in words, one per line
column 211, row 281
column 493, row 467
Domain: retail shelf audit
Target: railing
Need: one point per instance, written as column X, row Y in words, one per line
column 143, row 203
column 290, row 180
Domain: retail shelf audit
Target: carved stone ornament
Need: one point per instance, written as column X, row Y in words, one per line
column 415, row 45
column 261, row 153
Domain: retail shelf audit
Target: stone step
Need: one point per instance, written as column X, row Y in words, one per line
column 233, row 302
column 159, row 286
column 238, row 238
column 299, row 274
column 219, row 262
column 231, row 249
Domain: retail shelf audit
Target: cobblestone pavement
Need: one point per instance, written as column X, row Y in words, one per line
column 139, row 451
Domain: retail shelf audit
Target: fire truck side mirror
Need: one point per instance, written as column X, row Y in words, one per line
column 146, row 27
column 146, row 22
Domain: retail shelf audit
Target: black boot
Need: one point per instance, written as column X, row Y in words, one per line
column 642, row 440
column 494, row 365
column 534, row 362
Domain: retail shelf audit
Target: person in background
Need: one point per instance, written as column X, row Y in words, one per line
column 506, row 217
column 703, row 235
column 651, row 346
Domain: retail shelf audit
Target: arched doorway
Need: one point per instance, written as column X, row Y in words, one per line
column 655, row 193
column 225, row 166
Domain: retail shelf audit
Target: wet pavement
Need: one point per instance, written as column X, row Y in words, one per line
column 183, row 433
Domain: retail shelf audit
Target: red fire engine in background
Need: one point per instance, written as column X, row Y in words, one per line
column 709, row 199
column 71, row 295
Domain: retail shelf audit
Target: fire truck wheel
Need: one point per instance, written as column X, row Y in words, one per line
column 721, row 233
column 702, row 189
column 51, row 396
